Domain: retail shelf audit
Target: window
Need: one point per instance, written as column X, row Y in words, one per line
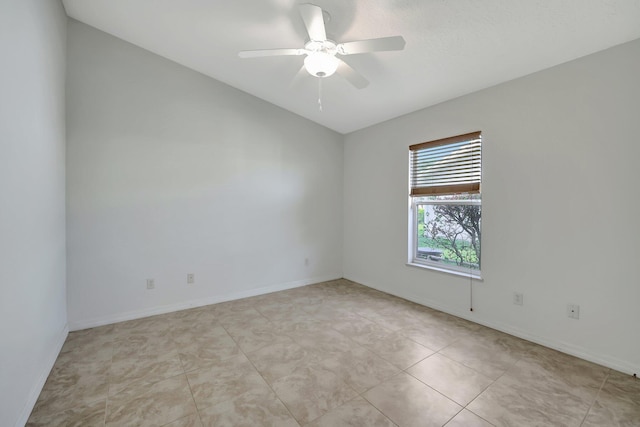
column 446, row 204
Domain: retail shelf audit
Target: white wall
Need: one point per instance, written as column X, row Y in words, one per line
column 32, row 193
column 170, row 172
column 561, row 206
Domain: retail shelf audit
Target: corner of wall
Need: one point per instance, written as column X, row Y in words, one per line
column 45, row 369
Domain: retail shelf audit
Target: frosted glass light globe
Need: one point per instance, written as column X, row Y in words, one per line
column 321, row 64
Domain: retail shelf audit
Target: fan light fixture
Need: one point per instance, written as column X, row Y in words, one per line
column 321, row 64
column 322, row 53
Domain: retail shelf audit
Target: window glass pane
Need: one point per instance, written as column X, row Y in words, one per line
column 449, row 197
column 449, row 234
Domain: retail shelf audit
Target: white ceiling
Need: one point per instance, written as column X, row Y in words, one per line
column 453, row 47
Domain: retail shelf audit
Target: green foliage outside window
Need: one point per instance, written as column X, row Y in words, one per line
column 452, row 228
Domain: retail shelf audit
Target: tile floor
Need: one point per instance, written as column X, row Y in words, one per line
column 331, row 354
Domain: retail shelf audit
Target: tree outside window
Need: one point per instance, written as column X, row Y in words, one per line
column 449, row 233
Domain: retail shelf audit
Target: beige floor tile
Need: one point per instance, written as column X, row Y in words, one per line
column 395, row 348
column 91, row 334
column 94, row 344
column 88, row 415
column 142, row 344
column 228, row 314
column 224, row 381
column 617, row 404
column 192, row 420
column 183, row 331
column 312, row 391
column 408, row 402
column 67, row 364
column 505, row 403
column 433, row 335
column 72, row 384
column 145, row 369
column 151, row 404
column 356, row 412
column 329, row 313
column 256, row 334
column 456, row 381
column 195, row 316
column 359, row 328
column 491, row 354
column 300, row 326
column 257, row 407
column 278, row 360
column 359, row 368
column 467, row 419
column 504, row 341
column 613, row 412
column 550, row 371
column 622, row 386
column 392, row 318
column 326, row 341
column 236, row 305
column 183, row 334
column 203, row 350
column 318, row 346
column 280, row 310
column 197, row 356
column 153, row 325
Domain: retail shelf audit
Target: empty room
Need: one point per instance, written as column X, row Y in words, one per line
column 338, row 213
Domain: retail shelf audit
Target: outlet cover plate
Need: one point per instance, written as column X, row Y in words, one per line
column 518, row 298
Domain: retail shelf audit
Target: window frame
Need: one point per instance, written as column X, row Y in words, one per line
column 430, row 198
column 415, row 261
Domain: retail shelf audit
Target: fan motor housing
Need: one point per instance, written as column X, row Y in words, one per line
column 326, row 46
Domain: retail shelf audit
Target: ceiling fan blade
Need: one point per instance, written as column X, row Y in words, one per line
column 372, row 45
column 314, row 21
column 354, row 77
column 269, row 52
column 301, row 74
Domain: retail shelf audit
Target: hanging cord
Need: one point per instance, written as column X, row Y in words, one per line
column 320, row 94
column 470, row 294
column 470, row 290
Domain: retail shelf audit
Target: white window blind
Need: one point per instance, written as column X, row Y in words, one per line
column 447, row 166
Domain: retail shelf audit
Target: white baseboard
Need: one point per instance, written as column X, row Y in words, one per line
column 42, row 378
column 137, row 314
column 573, row 350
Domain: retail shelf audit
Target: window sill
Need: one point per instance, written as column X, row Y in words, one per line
column 444, row 270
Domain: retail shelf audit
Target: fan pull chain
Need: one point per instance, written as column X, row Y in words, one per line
column 320, row 94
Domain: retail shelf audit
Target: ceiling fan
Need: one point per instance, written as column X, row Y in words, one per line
column 321, row 60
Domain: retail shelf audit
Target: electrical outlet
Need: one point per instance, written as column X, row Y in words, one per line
column 151, row 284
column 190, row 278
column 518, row 298
column 306, row 262
column 573, row 311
